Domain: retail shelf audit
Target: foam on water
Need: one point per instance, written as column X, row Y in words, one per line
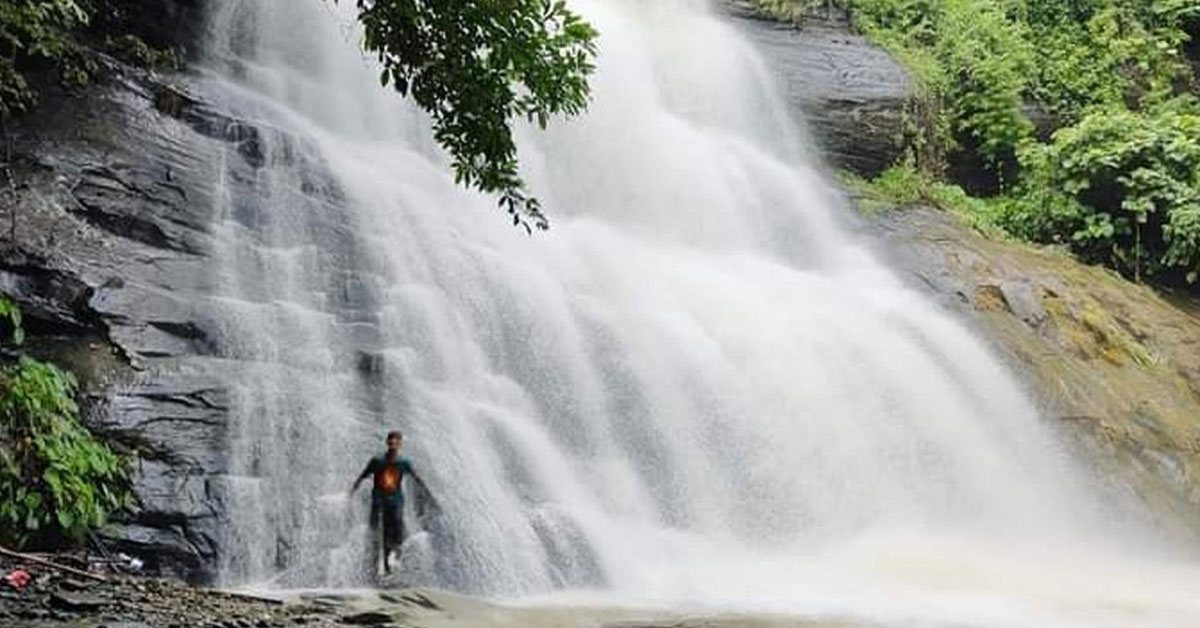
column 696, row 389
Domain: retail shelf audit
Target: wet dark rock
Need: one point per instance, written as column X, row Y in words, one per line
column 76, row 602
column 73, row 584
column 109, row 254
column 33, row 613
column 46, row 293
column 367, row 618
column 210, row 122
column 418, row 599
column 849, row 93
column 102, row 196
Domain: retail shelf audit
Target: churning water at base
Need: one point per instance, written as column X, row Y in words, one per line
column 695, row 389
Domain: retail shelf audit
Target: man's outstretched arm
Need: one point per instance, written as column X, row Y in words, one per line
column 362, row 476
column 427, row 495
column 421, row 483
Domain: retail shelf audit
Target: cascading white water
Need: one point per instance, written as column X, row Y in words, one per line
column 696, row 388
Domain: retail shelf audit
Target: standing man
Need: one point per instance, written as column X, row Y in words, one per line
column 387, row 498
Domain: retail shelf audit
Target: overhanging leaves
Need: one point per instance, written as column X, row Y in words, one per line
column 476, row 67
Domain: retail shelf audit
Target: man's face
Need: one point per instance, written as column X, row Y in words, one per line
column 393, row 444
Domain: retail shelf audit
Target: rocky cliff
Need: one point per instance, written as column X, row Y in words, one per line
column 106, row 248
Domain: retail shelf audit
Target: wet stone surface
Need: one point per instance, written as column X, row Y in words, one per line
column 849, row 93
column 54, row 599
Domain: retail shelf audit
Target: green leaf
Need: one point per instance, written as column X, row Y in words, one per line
column 53, row 473
column 479, row 67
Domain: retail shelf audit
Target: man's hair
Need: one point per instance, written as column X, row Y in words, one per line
column 396, row 434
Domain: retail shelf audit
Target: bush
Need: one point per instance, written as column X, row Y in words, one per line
column 987, row 59
column 56, row 480
column 37, row 36
column 1120, row 188
column 1115, row 54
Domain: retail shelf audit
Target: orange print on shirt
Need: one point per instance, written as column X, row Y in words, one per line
column 387, row 480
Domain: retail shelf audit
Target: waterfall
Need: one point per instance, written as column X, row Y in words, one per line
column 697, row 386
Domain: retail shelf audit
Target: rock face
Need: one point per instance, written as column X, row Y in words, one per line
column 1115, row 364
column 849, row 93
column 108, row 254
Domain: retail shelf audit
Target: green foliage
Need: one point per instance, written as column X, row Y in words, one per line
column 37, row 32
column 898, row 186
column 1114, row 174
column 40, row 35
column 10, row 316
column 56, row 479
column 787, row 10
column 987, row 58
column 135, row 51
column 476, row 67
column 1119, row 187
column 1115, row 53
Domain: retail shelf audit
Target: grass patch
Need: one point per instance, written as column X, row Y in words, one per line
column 904, row 186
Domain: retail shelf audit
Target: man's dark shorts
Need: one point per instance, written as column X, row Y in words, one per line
column 391, row 513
